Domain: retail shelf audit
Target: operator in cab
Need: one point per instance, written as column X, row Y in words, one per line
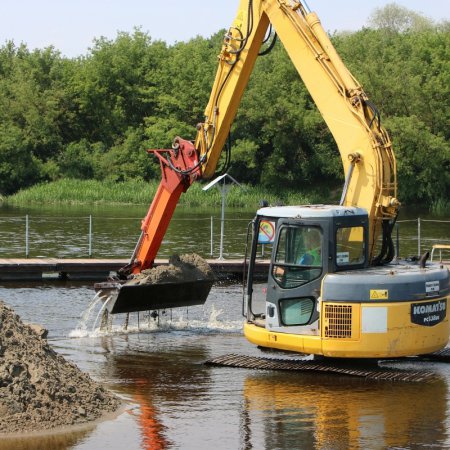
column 298, row 256
column 311, row 251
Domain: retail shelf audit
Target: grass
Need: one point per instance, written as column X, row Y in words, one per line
column 440, row 207
column 138, row 192
column 71, row 191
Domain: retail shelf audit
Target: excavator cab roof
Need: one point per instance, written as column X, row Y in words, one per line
column 311, row 211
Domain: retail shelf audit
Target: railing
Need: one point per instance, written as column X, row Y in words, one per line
column 419, row 229
column 25, row 233
column 203, row 231
column 440, row 248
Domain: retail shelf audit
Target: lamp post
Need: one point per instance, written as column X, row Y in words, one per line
column 221, row 184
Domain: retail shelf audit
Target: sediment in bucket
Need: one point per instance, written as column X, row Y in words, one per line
column 185, row 281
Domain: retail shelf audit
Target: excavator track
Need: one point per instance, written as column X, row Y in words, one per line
column 439, row 356
column 372, row 372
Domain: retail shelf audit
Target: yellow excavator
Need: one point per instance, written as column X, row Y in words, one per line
column 332, row 288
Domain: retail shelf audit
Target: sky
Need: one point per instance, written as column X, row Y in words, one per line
column 71, row 25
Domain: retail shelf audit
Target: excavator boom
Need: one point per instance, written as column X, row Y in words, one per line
column 353, row 120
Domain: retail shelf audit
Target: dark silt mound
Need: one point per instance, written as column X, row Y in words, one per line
column 189, row 267
column 39, row 389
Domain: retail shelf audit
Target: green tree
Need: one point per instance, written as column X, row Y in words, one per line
column 288, row 133
column 75, row 161
column 31, row 96
column 423, row 162
column 127, row 159
column 94, row 116
column 117, row 86
column 187, row 78
column 396, row 18
column 18, row 167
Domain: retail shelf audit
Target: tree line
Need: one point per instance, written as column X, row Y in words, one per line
column 93, row 117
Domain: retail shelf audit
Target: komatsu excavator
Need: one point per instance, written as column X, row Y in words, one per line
column 332, row 288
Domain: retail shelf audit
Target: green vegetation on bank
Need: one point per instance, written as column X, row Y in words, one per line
column 73, row 191
column 91, row 118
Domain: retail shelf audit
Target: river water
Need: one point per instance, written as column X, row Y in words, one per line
column 173, row 400
column 63, row 232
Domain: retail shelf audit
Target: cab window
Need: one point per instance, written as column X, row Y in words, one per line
column 350, row 246
column 298, row 257
column 296, row 311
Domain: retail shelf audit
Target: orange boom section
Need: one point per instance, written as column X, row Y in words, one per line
column 180, row 167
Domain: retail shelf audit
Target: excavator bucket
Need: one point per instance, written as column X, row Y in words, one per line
column 125, row 298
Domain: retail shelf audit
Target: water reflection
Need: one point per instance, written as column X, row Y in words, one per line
column 59, row 441
column 155, row 378
column 329, row 413
column 181, row 403
column 152, row 430
column 184, row 404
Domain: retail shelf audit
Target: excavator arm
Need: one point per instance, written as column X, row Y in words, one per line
column 364, row 145
column 180, row 167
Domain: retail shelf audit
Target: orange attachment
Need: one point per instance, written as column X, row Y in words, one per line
column 180, row 167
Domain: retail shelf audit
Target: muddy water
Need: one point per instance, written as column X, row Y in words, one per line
column 176, row 402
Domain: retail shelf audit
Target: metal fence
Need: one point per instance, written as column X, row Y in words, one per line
column 23, row 234
column 419, row 229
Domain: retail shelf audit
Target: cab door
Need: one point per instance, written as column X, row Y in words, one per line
column 299, row 262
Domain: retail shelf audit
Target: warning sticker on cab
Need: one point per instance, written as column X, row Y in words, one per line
column 432, row 287
column 379, row 294
column 266, row 232
column 342, row 257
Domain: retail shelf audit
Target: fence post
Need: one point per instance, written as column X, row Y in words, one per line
column 397, row 242
column 27, row 249
column 418, row 237
column 212, row 236
column 90, row 236
column 222, row 224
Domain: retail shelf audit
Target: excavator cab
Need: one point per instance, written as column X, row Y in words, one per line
column 308, row 242
column 321, row 296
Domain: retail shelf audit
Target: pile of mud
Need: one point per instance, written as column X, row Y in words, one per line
column 39, row 389
column 190, row 267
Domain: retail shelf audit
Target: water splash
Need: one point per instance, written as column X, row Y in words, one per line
column 81, row 329
column 196, row 320
column 102, row 309
column 213, row 322
column 208, row 324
